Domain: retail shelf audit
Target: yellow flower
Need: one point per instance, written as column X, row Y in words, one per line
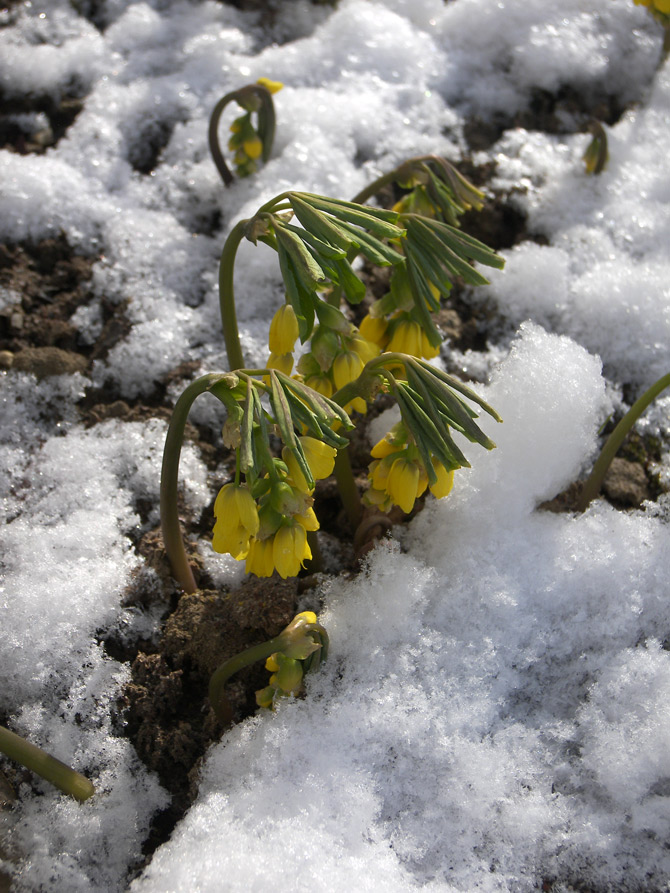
column 260, row 560
column 402, row 483
column 253, row 147
column 290, row 550
column 408, row 337
column 347, row 366
column 319, row 456
column 374, row 329
column 309, row 521
column 445, row 480
column 283, row 330
column 272, row 86
column 236, row 520
column 321, row 384
column 358, row 404
column 366, row 350
column 281, row 361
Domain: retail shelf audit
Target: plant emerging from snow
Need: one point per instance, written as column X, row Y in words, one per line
column 252, row 133
column 266, row 516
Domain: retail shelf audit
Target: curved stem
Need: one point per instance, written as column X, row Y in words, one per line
column 231, row 334
column 39, row 761
column 398, row 173
column 594, row 481
column 213, row 138
column 266, row 124
column 225, row 671
column 172, row 538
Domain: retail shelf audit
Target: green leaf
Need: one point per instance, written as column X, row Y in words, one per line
column 458, row 385
column 378, row 221
column 374, row 249
column 301, row 300
column 343, row 274
column 422, row 262
column 309, row 272
column 320, row 225
column 247, row 458
column 281, row 411
column 321, row 249
column 423, row 299
column 332, row 318
column 466, row 245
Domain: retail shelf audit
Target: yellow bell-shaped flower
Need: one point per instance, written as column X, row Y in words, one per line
column 237, row 520
column 284, row 330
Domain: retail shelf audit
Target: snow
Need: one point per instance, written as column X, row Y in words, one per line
column 495, row 709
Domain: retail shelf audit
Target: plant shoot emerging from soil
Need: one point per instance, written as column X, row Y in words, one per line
column 252, row 133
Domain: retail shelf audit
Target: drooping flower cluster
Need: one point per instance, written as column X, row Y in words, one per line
column 304, row 646
column 267, row 523
column 245, row 141
column 398, row 476
column 337, row 357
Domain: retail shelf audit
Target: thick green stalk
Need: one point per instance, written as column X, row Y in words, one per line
column 48, row 767
column 213, row 137
column 225, row 671
column 231, row 334
column 172, row 538
column 594, row 481
column 346, row 485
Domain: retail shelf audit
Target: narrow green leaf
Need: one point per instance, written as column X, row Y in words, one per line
column 431, row 271
column 376, row 251
column 319, row 224
column 281, row 411
column 343, row 274
column 423, row 299
column 372, row 219
column 310, row 273
column 458, row 385
column 321, row 248
column 246, row 430
column 467, row 245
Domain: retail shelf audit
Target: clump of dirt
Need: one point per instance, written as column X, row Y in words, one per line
column 165, row 709
column 630, row 481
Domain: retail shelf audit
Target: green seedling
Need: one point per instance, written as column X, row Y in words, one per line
column 251, row 134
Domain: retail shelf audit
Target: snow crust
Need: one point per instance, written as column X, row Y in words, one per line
column 495, row 710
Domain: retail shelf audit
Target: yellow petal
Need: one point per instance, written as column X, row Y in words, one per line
column 272, row 86
column 445, row 480
column 402, row 483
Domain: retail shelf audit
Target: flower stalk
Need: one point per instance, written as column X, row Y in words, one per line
column 304, row 642
column 43, row 764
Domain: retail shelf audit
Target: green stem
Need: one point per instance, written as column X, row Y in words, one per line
column 172, row 538
column 315, row 564
column 266, row 124
column 227, row 295
column 346, row 484
column 48, row 767
column 225, row 671
column 213, row 137
column 594, row 481
column 402, row 172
